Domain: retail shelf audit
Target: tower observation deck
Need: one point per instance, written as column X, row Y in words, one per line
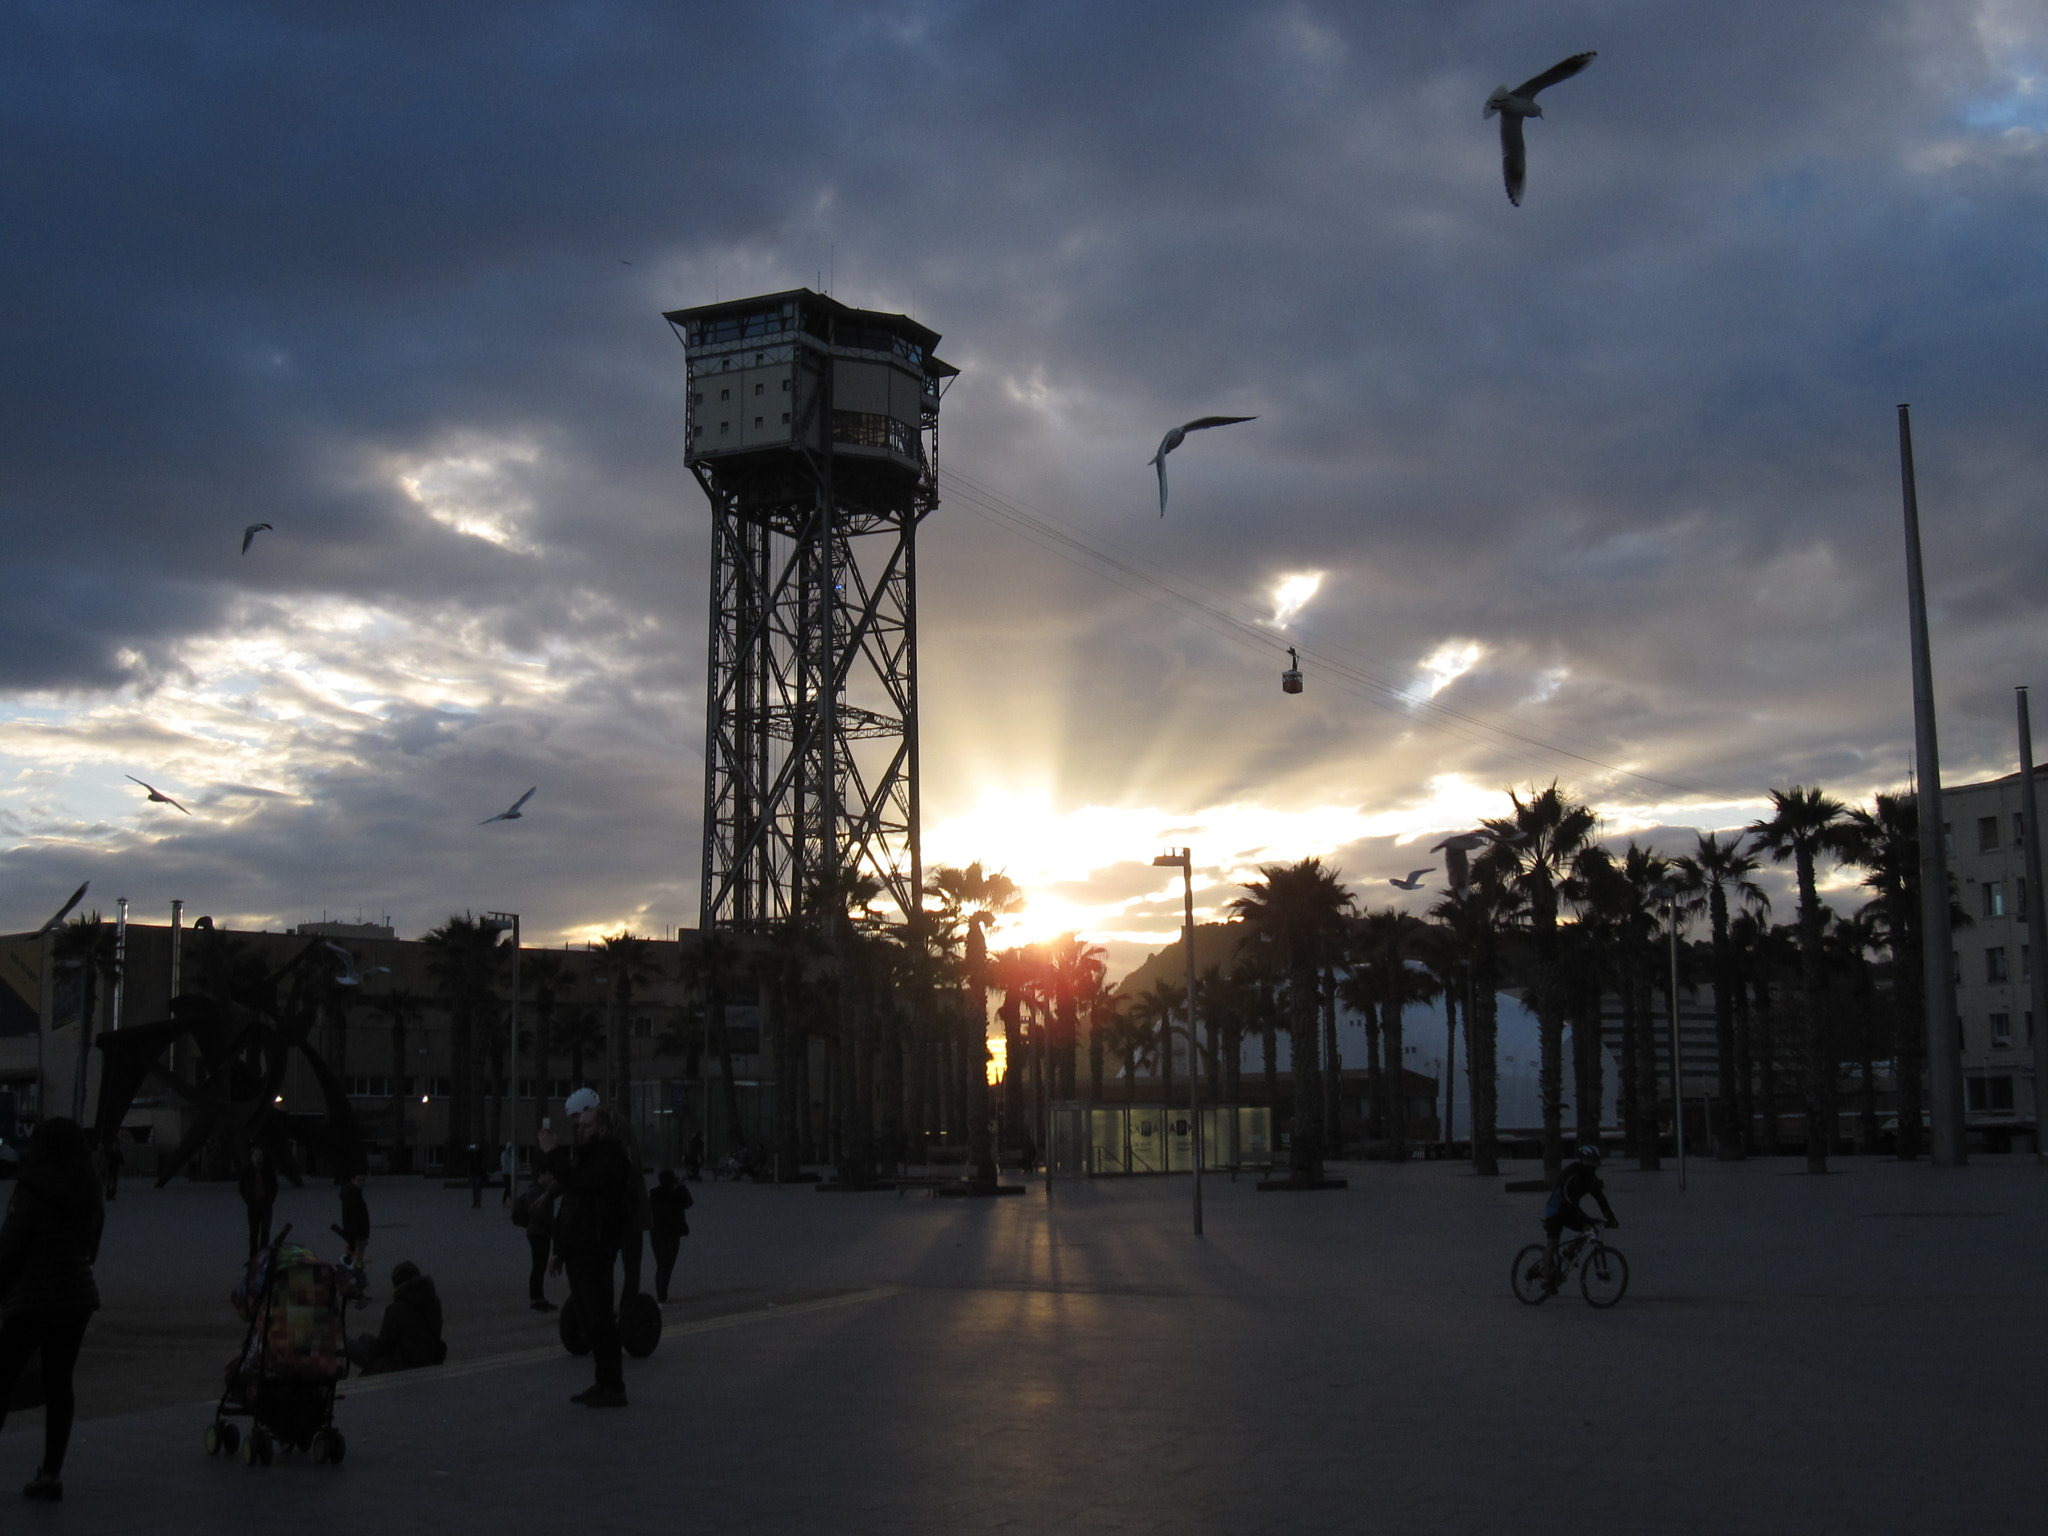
column 813, row 429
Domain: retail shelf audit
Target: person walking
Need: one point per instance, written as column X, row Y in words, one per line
column 589, row 1229
column 669, row 1201
column 541, row 1203
column 476, row 1177
column 508, row 1167
column 693, row 1158
column 259, row 1195
column 48, row 1246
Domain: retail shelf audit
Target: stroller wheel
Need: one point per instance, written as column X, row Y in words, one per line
column 230, row 1439
column 213, row 1439
column 340, row 1443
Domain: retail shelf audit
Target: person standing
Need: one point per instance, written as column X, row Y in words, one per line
column 693, row 1158
column 589, row 1229
column 355, row 1218
column 48, row 1246
column 259, row 1195
column 669, row 1201
column 508, row 1166
column 541, row 1202
column 476, row 1177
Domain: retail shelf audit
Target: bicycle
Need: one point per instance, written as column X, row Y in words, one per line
column 1603, row 1270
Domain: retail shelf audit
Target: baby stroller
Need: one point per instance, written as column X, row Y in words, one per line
column 294, row 1354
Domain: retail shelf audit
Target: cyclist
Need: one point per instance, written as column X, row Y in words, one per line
column 1580, row 1179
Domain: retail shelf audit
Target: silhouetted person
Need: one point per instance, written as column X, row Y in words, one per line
column 259, row 1195
column 540, row 1236
column 589, row 1229
column 693, row 1159
column 1580, row 1179
column 669, row 1201
column 48, row 1246
column 508, row 1167
column 355, row 1217
column 113, row 1161
column 476, row 1177
column 411, row 1335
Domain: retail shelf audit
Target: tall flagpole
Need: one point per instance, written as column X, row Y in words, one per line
column 1937, row 944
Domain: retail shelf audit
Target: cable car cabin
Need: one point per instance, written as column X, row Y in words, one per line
column 1290, row 680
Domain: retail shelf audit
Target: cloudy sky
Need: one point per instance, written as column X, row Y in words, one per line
column 1603, row 488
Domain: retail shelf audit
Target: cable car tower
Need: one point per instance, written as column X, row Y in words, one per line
column 813, row 428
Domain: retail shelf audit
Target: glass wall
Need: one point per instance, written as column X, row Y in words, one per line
column 1158, row 1138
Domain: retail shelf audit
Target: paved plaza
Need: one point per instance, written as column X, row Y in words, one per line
column 1860, row 1353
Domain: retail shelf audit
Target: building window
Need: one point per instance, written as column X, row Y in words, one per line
column 1994, row 898
column 2019, row 830
column 698, row 398
column 724, row 427
column 785, row 386
column 1995, row 968
column 2001, row 1031
column 642, row 1028
column 785, row 418
column 725, row 394
column 1991, row 1095
column 759, row 387
column 1987, row 833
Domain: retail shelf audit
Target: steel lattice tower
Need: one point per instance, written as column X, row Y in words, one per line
column 814, row 430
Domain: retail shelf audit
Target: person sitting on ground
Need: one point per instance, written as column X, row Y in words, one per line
column 1580, row 1179
column 411, row 1335
column 668, row 1201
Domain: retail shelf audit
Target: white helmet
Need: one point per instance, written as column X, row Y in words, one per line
column 580, row 1100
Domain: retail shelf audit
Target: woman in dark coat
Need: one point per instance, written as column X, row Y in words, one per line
column 48, row 1245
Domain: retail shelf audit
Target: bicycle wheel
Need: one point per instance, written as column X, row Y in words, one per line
column 1603, row 1278
column 1530, row 1277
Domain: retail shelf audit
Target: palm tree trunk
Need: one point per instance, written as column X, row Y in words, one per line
column 1649, row 1139
column 1394, row 1036
column 1550, row 1038
column 1819, row 1075
column 1745, row 1068
column 1333, row 1066
column 1767, row 1069
column 1631, row 1023
column 1482, row 1063
column 1589, row 1084
column 1375, row 1077
column 1727, row 1135
column 1306, row 1160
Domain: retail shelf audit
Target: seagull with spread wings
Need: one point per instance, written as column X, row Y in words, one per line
column 154, row 793
column 1414, row 879
column 514, row 813
column 249, row 534
column 1179, row 435
column 1514, row 105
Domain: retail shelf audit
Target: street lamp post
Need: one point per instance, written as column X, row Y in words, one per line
column 1183, row 860
column 509, row 1114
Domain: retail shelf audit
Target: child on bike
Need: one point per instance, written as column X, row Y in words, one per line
column 1580, row 1179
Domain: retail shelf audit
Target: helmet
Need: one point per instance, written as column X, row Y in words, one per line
column 580, row 1100
column 1589, row 1153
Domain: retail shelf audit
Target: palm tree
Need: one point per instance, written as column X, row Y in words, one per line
column 1647, row 879
column 1475, row 918
column 979, row 900
column 628, row 961
column 1384, row 939
column 580, row 1033
column 1300, row 909
column 86, row 944
column 1074, row 971
column 1533, row 849
column 402, row 1007
column 1131, row 1039
column 1154, row 1010
column 546, row 972
column 461, row 957
column 1805, row 825
column 1016, row 974
column 1713, row 870
column 1884, row 842
column 711, row 970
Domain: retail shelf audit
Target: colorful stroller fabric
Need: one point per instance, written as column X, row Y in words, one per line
column 301, row 1329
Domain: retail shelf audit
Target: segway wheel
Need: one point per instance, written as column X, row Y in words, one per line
column 640, row 1325
column 570, row 1327
column 230, row 1439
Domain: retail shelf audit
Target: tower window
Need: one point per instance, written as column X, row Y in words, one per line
column 785, row 386
column 759, row 387
column 1995, row 968
column 785, row 418
column 757, row 421
column 1994, row 898
column 725, row 394
column 724, row 427
column 1987, row 833
column 2001, row 1031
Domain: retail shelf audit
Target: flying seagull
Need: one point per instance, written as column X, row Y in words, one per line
column 249, row 534
column 154, row 793
column 1454, row 849
column 350, row 976
column 1179, row 435
column 1414, row 880
column 64, row 911
column 1519, row 103
column 512, row 814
